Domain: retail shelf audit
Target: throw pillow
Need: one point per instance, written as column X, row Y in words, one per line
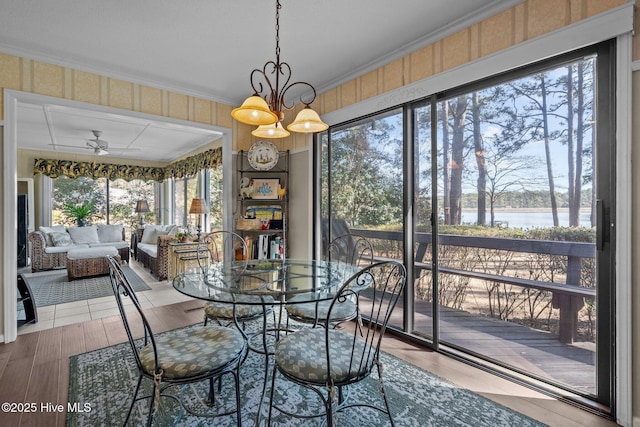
column 172, row 230
column 60, row 239
column 84, row 235
column 110, row 233
column 149, row 235
column 52, row 229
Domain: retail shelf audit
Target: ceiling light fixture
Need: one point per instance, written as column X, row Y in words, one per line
column 267, row 113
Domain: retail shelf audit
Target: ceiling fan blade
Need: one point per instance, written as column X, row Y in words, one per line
column 98, row 141
column 70, row 146
column 116, row 148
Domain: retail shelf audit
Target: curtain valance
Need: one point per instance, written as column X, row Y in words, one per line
column 190, row 166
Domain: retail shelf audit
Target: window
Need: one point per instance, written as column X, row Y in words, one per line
column 501, row 188
column 113, row 201
column 185, row 189
column 215, row 198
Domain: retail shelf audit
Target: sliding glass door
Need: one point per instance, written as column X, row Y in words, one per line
column 362, row 183
column 503, row 191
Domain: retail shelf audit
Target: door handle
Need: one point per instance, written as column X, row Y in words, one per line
column 600, row 224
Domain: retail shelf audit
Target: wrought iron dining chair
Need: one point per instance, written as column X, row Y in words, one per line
column 351, row 249
column 182, row 356
column 325, row 360
column 229, row 247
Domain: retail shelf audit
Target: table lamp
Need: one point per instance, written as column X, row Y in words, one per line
column 198, row 207
column 141, row 208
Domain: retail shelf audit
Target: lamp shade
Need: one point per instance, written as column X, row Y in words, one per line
column 198, row 206
column 274, row 130
column 307, row 121
column 142, row 206
column 254, row 111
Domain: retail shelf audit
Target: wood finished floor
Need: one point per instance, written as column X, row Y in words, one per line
column 35, row 368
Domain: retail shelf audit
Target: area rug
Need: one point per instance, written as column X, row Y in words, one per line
column 105, row 380
column 53, row 287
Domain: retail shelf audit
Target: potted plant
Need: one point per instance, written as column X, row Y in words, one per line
column 79, row 213
column 183, row 236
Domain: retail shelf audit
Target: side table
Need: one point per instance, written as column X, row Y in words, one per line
column 184, row 256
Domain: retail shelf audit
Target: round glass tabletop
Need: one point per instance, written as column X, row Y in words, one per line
column 261, row 282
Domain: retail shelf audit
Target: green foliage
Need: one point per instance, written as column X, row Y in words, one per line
column 215, row 199
column 183, row 235
column 366, row 173
column 79, row 213
column 79, row 191
column 479, row 230
column 564, row 234
column 83, row 191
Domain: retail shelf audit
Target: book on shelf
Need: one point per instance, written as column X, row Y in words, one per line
column 265, row 246
column 264, row 212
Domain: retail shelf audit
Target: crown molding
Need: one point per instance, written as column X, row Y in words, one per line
column 426, row 40
column 114, row 73
column 592, row 30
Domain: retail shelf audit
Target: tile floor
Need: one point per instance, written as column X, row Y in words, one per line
column 51, row 316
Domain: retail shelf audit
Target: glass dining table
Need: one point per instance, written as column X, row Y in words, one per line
column 270, row 284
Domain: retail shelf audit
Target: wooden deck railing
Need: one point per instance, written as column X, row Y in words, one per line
column 568, row 297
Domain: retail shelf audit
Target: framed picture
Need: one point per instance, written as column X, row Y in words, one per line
column 266, row 189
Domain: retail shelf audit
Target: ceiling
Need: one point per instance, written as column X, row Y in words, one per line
column 208, row 49
column 52, row 127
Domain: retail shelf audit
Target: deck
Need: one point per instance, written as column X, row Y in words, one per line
column 560, row 358
column 537, row 352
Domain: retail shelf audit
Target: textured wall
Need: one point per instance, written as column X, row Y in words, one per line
column 520, row 23
column 53, row 80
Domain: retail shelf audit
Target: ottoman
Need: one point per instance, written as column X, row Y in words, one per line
column 86, row 262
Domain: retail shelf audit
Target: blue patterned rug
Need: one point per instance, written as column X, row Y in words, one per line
column 53, row 287
column 106, row 379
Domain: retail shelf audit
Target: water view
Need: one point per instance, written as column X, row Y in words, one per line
column 528, row 219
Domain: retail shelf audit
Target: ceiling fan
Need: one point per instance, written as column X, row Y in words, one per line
column 99, row 146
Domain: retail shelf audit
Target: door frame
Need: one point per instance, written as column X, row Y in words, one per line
column 9, row 185
column 615, row 24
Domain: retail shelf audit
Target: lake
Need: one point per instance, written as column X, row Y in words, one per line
column 518, row 219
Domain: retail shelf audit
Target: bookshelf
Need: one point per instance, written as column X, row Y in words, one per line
column 263, row 204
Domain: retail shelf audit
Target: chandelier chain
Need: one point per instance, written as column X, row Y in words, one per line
column 278, row 7
column 272, row 104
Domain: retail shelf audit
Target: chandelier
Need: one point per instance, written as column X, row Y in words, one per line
column 267, row 112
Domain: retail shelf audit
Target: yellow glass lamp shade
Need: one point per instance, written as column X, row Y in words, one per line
column 307, row 121
column 274, row 130
column 254, row 111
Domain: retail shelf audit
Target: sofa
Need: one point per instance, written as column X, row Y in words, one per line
column 49, row 245
column 151, row 245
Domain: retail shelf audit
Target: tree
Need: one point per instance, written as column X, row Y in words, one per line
column 215, row 197
column 444, row 120
column 75, row 192
column 535, row 90
column 479, row 149
column 506, row 173
column 577, row 148
column 422, row 166
column 547, row 151
column 366, row 173
column 123, row 196
column 458, row 145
